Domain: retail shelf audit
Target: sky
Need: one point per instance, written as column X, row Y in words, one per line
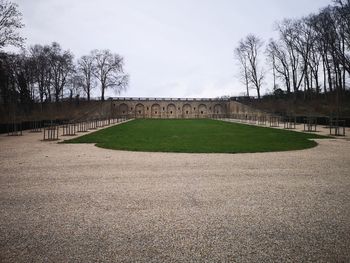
column 172, row 48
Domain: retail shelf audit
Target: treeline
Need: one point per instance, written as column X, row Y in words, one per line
column 310, row 57
column 48, row 73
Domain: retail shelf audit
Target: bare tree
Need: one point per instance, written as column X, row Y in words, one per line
column 277, row 54
column 10, row 22
column 315, row 65
column 25, row 78
column 243, row 63
column 324, row 28
column 5, row 79
column 342, row 8
column 74, row 86
column 48, row 73
column 109, row 71
column 288, row 33
column 251, row 48
column 303, row 41
column 87, row 70
column 342, row 19
column 272, row 57
column 331, row 37
column 40, row 56
column 61, row 63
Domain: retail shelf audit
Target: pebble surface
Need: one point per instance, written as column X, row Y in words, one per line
column 81, row 203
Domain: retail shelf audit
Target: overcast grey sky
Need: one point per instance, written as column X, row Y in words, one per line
column 172, row 48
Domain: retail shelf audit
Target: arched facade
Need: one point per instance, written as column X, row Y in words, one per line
column 177, row 108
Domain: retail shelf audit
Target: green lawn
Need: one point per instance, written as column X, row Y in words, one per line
column 196, row 136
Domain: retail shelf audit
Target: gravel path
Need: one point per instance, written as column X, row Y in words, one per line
column 81, row 203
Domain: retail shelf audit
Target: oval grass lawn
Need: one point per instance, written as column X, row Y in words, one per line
column 196, row 136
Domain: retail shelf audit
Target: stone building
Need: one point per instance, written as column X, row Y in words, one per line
column 177, row 108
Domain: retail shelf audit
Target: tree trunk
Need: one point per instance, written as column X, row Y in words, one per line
column 324, row 77
column 330, row 84
column 307, row 81
column 103, row 92
column 311, row 82
column 317, row 83
column 287, row 85
column 88, row 88
column 344, row 62
column 258, row 91
column 274, row 74
column 246, row 80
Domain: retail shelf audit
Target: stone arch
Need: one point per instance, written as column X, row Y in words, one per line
column 139, row 111
column 123, row 109
column 186, row 111
column 218, row 109
column 155, row 111
column 171, row 111
column 202, row 111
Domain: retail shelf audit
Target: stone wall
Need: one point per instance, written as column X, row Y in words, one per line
column 132, row 108
column 177, row 108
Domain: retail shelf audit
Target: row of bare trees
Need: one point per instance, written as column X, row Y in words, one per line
column 311, row 54
column 48, row 73
column 103, row 67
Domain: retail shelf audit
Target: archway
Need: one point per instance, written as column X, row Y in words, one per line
column 186, row 111
column 171, row 111
column 202, row 111
column 155, row 111
column 139, row 111
column 218, row 111
column 123, row 109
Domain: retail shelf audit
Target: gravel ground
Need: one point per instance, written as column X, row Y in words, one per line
column 81, row 203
